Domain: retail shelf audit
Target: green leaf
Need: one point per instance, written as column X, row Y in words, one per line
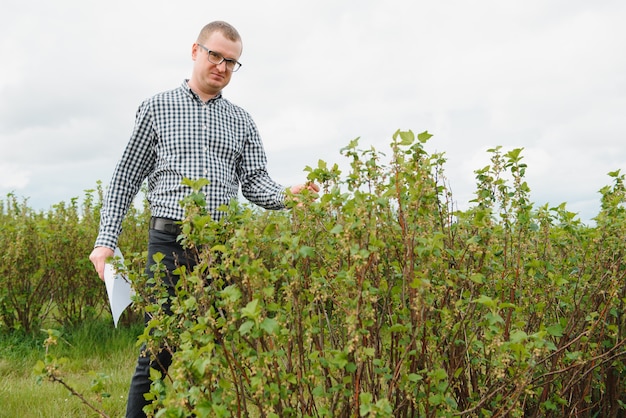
column 231, row 293
column 219, row 248
column 406, row 137
column 369, row 351
column 424, row 136
column 270, row 229
column 487, row 301
column 337, row 229
column 555, row 330
column 246, row 327
column 518, row 336
column 477, row 278
column 398, row 328
column 350, row 367
column 414, row 377
column 306, row 251
column 365, row 403
column 270, row 326
column 40, row 367
column 252, row 309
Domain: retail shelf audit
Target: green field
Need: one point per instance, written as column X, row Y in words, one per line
column 91, row 349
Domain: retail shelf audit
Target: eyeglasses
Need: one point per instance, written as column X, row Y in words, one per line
column 217, row 58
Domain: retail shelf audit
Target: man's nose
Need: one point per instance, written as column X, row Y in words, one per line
column 219, row 66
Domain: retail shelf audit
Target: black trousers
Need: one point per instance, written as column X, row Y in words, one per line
column 175, row 256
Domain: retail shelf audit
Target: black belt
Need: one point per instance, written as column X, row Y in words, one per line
column 169, row 226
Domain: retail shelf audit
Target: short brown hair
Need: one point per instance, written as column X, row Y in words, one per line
column 224, row 28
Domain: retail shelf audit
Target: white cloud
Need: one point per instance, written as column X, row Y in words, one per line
column 13, row 177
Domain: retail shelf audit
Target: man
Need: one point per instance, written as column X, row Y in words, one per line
column 189, row 132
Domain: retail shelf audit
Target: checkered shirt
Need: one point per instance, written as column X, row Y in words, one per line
column 176, row 136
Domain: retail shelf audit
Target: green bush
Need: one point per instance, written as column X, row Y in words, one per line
column 25, row 285
column 45, row 274
column 376, row 299
column 379, row 299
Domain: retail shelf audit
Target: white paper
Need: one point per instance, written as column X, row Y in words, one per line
column 118, row 288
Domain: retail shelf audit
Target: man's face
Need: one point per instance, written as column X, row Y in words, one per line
column 208, row 77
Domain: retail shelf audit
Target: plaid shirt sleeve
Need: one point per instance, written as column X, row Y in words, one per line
column 130, row 172
column 178, row 136
column 256, row 184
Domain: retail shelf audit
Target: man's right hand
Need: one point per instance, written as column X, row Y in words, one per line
column 98, row 257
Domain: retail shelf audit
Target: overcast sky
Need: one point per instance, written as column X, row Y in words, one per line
column 548, row 76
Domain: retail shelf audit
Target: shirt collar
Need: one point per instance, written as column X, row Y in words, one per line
column 191, row 93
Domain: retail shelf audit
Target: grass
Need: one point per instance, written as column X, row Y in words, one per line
column 95, row 347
